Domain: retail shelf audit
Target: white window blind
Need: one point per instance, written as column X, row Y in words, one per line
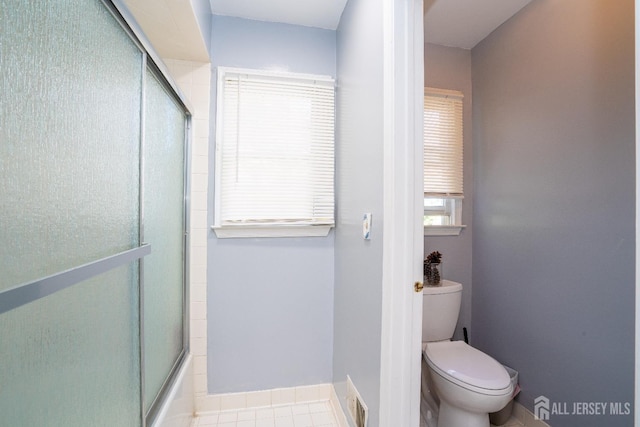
column 274, row 149
column 443, row 142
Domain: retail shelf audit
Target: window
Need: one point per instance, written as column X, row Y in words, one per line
column 443, row 165
column 274, row 154
column 442, row 211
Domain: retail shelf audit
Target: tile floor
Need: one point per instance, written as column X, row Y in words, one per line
column 310, row 414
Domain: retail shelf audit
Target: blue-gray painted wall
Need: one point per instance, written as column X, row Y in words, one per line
column 450, row 68
column 269, row 301
column 359, row 172
column 553, row 244
column 202, row 11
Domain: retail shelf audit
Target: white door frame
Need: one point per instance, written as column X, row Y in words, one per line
column 403, row 244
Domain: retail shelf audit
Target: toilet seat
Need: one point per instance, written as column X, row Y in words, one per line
column 468, row 367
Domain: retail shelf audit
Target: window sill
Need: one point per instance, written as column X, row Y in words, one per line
column 248, row 231
column 443, row 230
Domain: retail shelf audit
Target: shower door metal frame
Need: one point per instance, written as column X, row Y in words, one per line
column 150, row 413
column 25, row 293
column 152, row 61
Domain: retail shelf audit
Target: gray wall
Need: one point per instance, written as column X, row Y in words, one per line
column 358, row 263
column 270, row 301
column 553, row 246
column 450, row 68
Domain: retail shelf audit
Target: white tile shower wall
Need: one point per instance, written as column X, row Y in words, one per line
column 274, row 397
column 193, row 79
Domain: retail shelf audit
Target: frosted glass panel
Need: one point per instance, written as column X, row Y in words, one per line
column 69, row 134
column 164, row 230
column 72, row 359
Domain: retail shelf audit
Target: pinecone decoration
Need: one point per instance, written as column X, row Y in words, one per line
column 431, row 268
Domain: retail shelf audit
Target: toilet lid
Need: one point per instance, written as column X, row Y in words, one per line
column 464, row 365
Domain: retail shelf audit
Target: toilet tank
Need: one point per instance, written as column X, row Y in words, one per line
column 440, row 310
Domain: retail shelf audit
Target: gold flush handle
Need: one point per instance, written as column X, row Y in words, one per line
column 418, row 286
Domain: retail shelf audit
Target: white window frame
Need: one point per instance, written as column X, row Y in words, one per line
column 272, row 229
column 451, row 208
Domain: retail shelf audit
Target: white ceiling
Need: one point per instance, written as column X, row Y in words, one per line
column 464, row 23
column 309, row 13
column 456, row 23
column 173, row 29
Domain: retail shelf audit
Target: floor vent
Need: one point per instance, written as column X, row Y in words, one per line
column 357, row 409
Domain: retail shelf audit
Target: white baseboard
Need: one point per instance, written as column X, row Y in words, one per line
column 274, row 397
column 337, row 409
column 264, row 398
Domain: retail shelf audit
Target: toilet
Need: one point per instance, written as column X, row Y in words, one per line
column 468, row 383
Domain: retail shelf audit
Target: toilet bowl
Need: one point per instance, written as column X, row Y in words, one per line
column 468, row 383
column 429, row 401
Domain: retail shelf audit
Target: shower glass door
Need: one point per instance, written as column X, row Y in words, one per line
column 164, row 225
column 92, row 144
column 68, row 196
